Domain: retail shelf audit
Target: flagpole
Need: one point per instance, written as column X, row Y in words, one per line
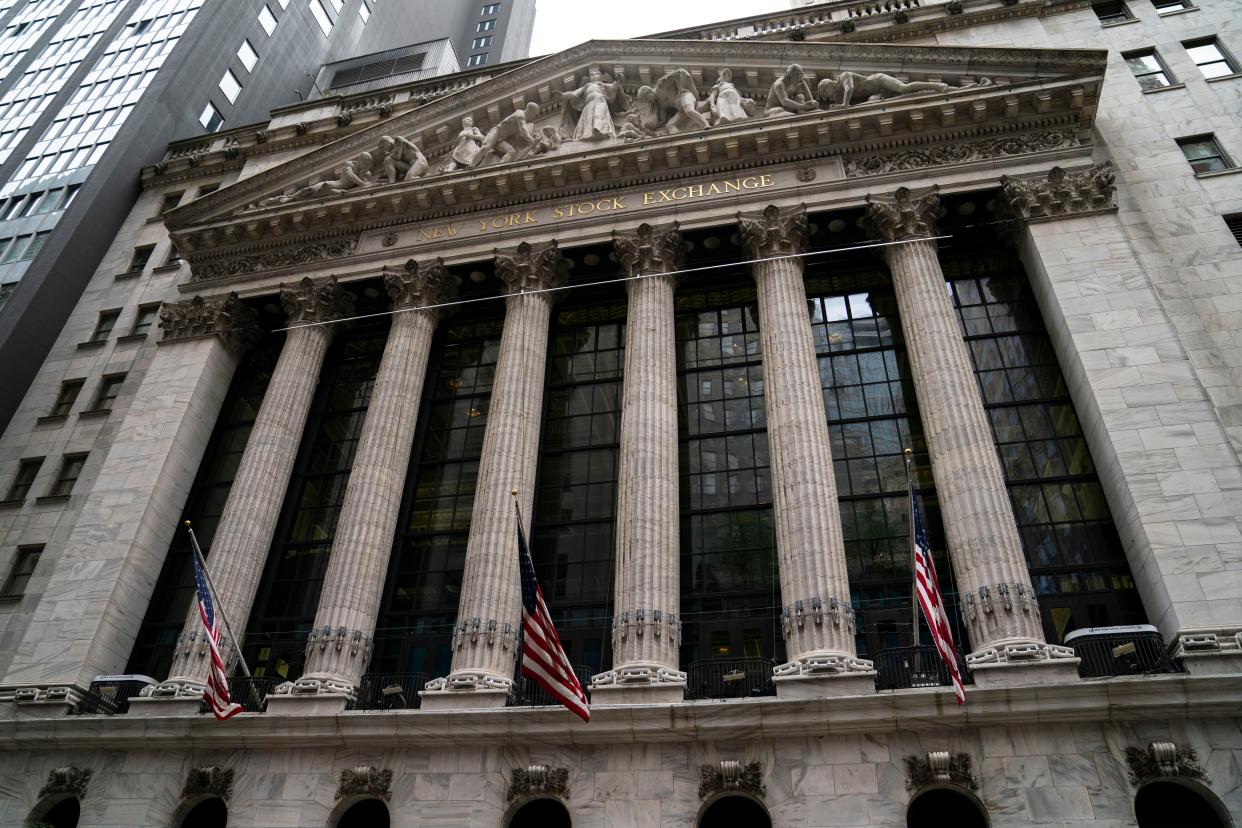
column 521, row 628
column 914, row 586
column 202, row 562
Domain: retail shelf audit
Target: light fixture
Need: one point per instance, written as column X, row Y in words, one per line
column 477, row 276
column 711, row 242
column 836, row 226
column 455, row 383
column 590, row 259
column 474, row 412
column 966, row 208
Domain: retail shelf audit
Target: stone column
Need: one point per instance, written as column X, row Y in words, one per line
column 339, row 647
column 999, row 603
column 817, row 617
column 239, row 549
column 490, row 611
column 646, row 632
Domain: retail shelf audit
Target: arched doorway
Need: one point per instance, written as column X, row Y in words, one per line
column 210, row 813
column 541, row 813
column 945, row 806
column 1168, row 804
column 61, row 814
column 734, row 811
column 365, row 813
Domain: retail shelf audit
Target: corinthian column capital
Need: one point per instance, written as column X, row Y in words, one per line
column 905, row 214
column 649, row 249
column 420, row 286
column 1061, row 193
column 531, row 267
column 220, row 316
column 308, row 301
column 775, row 231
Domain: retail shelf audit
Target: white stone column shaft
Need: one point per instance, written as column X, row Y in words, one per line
column 817, row 616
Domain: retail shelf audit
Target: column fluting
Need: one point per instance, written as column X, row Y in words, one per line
column 646, row 630
column 817, row 617
column 239, row 550
column 999, row 604
column 340, row 643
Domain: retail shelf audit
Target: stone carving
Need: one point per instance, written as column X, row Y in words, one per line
column 417, row 287
column 309, row 302
column 245, row 265
column 539, row 779
column 365, row 780
column 466, row 146
column 1061, row 193
column 668, row 107
column 302, row 127
column 389, row 239
column 907, row 213
column 774, row 232
column 344, row 119
column 208, row 781
column 587, row 111
column 67, row 780
column 511, row 139
column 402, row 159
column 231, row 149
column 731, row 775
column 939, row 768
column 851, row 87
column 957, row 153
column 806, row 174
column 790, row 94
column 1163, row 760
column 261, row 136
column 649, row 249
column 395, row 159
column 727, row 104
column 223, row 316
column 531, row 268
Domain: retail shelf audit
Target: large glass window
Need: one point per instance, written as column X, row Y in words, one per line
column 1213, row 61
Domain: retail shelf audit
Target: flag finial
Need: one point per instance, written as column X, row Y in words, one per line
column 187, row 524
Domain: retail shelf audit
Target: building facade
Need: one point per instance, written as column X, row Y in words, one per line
column 696, row 305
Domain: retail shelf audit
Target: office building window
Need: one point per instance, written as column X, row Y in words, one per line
column 204, row 189
column 23, row 568
column 491, row 8
column 247, row 55
column 481, row 42
column 141, row 256
column 170, row 201
column 70, row 471
column 1112, row 11
column 29, row 204
column 35, row 245
column 1212, row 60
column 109, row 388
column 321, row 16
column 71, row 192
column 1234, row 223
column 65, row 399
column 15, row 250
column 230, row 86
column 103, row 328
column 477, row 60
column 1148, row 69
column 211, row 119
column 147, row 314
column 1204, row 153
column 27, row 471
column 1166, row 6
column 364, row 11
column 268, row 20
column 485, row 26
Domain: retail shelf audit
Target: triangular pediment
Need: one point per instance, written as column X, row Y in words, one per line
column 551, row 126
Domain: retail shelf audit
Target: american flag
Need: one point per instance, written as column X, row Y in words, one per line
column 927, row 586
column 217, row 693
column 543, row 657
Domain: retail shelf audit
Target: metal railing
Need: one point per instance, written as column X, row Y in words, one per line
column 251, row 693
column 730, row 678
column 389, row 691
column 527, row 693
column 901, row 668
column 1124, row 654
column 109, row 697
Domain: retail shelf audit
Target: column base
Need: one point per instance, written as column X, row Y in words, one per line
column 164, row 706
column 1014, row 664
column 824, row 685
column 462, row 699
column 308, row 704
column 662, row 693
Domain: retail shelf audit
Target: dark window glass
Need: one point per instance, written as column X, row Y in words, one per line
column 36, row 244
column 70, row 470
column 1234, row 223
column 1166, row 6
column 1211, row 58
column 147, row 314
column 28, row 205
column 1112, row 11
column 169, row 201
column 103, row 328
column 1148, row 69
column 141, row 256
column 1204, row 153
column 65, row 399
column 23, row 568
column 27, row 471
column 109, row 387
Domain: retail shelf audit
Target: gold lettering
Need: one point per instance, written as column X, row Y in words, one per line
column 765, row 181
column 679, row 197
column 453, row 229
column 648, row 198
column 530, row 217
column 698, row 188
column 714, row 189
column 559, row 212
column 750, row 182
column 482, row 225
column 512, row 219
column 617, row 203
column 732, row 185
column 423, row 234
column 586, row 209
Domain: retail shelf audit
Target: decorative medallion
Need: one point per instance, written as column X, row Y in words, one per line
column 67, row 780
column 731, row 775
column 805, row 174
column 539, row 779
column 940, row 768
column 365, row 780
column 389, row 239
column 209, row 781
column 1162, row 760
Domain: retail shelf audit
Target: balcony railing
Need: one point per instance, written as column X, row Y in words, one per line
column 901, row 668
column 389, row 691
column 110, row 696
column 729, row 678
column 527, row 693
column 251, row 693
column 1109, row 653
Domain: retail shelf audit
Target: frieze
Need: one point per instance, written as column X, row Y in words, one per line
column 208, row 781
column 232, row 267
column 731, row 776
column 539, row 779
column 66, row 780
column 940, row 767
column 1162, row 760
column 365, row 780
column 960, row 152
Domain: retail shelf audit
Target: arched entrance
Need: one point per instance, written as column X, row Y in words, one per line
column 1170, row 804
column 210, row 813
column 937, row 807
column 734, row 811
column 541, row 813
column 63, row 813
column 365, row 813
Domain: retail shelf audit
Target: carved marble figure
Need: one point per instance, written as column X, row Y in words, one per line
column 790, row 94
column 358, row 171
column 465, row 147
column 849, row 87
column 403, row 161
column 727, row 104
column 589, row 109
column 510, row 139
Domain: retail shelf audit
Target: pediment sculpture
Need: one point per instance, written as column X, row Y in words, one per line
column 601, row 111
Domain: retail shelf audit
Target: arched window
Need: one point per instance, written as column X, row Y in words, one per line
column 366, row 813
column 210, row 813
column 735, row 812
column 1175, row 805
column 63, row 814
column 541, row 813
column 945, row 806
